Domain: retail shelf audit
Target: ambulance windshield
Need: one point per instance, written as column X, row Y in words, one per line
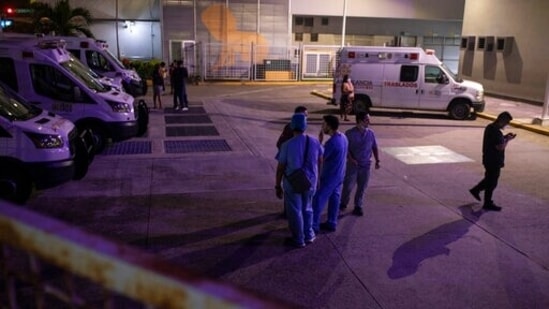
column 113, row 59
column 14, row 108
column 83, row 74
column 451, row 73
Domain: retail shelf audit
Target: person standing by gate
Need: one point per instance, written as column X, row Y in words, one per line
column 180, row 75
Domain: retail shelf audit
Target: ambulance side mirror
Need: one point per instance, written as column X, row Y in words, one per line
column 442, row 79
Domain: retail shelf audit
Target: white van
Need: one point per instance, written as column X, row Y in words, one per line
column 405, row 78
column 44, row 73
column 96, row 55
column 38, row 149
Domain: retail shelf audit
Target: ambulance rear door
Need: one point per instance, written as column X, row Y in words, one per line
column 401, row 86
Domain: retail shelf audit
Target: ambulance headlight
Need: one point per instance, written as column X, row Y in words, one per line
column 45, row 141
column 120, row 107
column 479, row 96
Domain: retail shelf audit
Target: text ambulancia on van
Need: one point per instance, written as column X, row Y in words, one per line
column 43, row 73
column 38, row 149
column 405, row 78
column 96, row 55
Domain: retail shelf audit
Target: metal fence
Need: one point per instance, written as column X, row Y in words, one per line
column 45, row 263
column 213, row 61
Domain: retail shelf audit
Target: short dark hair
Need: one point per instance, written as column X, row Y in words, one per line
column 331, row 121
column 300, row 109
column 504, row 116
column 360, row 116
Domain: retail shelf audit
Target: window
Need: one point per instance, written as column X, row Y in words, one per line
column 97, row 62
column 324, row 21
column 481, row 42
column 432, row 74
column 408, row 73
column 75, row 52
column 51, row 83
column 299, row 21
column 309, row 22
column 314, row 37
column 463, row 43
column 299, row 36
column 7, row 73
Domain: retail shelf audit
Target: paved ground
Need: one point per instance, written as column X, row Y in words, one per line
column 198, row 191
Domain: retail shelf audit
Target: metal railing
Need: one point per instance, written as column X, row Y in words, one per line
column 45, row 263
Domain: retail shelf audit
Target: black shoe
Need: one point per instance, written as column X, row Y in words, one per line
column 358, row 212
column 492, row 207
column 475, row 194
column 342, row 207
column 327, row 227
column 290, row 242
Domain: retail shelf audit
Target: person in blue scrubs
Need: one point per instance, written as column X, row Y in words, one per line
column 299, row 210
column 362, row 144
column 331, row 175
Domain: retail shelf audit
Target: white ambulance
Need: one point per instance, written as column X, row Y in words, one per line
column 43, row 73
column 405, row 78
column 38, row 149
column 96, row 55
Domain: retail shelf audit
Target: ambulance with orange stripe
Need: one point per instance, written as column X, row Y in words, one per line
column 405, row 78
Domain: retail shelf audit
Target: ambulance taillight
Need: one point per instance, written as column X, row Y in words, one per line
column 27, row 54
column 84, row 44
column 414, row 56
column 351, row 55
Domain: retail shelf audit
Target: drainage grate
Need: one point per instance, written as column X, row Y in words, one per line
column 187, row 119
column 192, row 109
column 128, row 147
column 191, row 131
column 196, row 146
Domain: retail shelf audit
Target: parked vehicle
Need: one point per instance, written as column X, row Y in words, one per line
column 405, row 78
column 38, row 149
column 45, row 73
column 96, row 55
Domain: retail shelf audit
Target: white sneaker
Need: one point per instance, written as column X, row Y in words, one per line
column 185, row 109
column 177, row 108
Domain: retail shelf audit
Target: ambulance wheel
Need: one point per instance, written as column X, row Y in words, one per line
column 15, row 185
column 460, row 110
column 143, row 118
column 81, row 160
column 100, row 137
column 361, row 104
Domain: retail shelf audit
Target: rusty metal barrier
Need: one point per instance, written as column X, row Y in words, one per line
column 117, row 270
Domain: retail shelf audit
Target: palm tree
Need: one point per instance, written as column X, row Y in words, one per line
column 61, row 19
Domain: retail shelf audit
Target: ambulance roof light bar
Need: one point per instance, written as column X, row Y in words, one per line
column 50, row 44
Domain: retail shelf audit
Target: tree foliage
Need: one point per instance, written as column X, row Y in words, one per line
column 61, row 19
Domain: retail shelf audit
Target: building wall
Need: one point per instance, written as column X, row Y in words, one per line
column 405, row 9
column 138, row 38
column 519, row 70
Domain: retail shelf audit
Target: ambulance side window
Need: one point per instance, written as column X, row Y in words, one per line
column 97, row 62
column 432, row 74
column 7, row 73
column 409, row 73
column 76, row 53
column 50, row 82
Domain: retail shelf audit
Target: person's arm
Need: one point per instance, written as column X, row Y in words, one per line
column 376, row 156
column 280, row 168
column 506, row 139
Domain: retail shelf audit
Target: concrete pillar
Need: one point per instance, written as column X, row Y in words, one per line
column 544, row 119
